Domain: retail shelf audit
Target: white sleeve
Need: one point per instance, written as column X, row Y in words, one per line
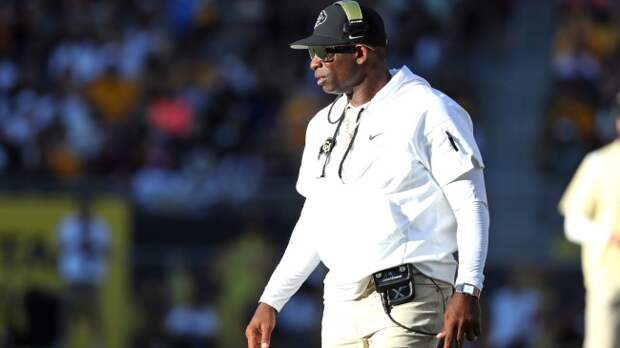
column 581, row 230
column 467, row 198
column 580, row 201
column 299, row 260
column 445, row 141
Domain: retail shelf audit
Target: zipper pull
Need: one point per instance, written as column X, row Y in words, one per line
column 452, row 142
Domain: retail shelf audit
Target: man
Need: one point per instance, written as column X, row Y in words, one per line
column 591, row 206
column 393, row 183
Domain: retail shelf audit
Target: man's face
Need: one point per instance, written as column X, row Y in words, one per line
column 337, row 73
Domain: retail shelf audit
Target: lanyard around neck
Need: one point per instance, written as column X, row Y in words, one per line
column 330, row 143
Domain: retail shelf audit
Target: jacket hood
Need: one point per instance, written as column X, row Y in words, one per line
column 400, row 78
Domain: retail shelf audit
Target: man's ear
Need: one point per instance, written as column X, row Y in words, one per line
column 361, row 54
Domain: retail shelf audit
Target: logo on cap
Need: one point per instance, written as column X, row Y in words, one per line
column 321, row 19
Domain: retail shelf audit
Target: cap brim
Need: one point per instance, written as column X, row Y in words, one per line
column 316, row 40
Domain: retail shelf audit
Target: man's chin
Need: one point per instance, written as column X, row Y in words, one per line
column 328, row 90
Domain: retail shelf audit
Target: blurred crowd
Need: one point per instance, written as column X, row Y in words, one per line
column 176, row 101
column 585, row 77
column 191, row 105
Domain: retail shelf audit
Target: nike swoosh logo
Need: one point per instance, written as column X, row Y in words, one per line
column 371, row 137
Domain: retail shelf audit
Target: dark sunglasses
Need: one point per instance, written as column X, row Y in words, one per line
column 327, row 54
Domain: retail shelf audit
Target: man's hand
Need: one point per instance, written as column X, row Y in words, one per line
column 462, row 319
column 260, row 327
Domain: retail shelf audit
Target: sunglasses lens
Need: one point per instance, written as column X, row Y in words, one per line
column 317, row 51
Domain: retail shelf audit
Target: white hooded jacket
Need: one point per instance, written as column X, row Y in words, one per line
column 388, row 207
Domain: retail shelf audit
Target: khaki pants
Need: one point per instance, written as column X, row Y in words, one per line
column 603, row 317
column 362, row 323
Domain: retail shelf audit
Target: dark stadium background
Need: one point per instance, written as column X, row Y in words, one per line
column 182, row 123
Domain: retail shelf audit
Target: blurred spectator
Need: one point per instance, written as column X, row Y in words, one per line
column 192, row 325
column 83, row 247
column 300, row 321
column 515, row 310
column 585, row 74
column 112, row 96
column 9, row 75
column 189, row 322
column 591, row 206
column 171, row 116
column 83, row 240
column 293, row 118
column 240, row 272
column 83, row 59
column 83, row 135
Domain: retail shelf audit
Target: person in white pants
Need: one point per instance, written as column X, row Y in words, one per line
column 591, row 206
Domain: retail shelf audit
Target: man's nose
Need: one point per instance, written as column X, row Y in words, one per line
column 315, row 63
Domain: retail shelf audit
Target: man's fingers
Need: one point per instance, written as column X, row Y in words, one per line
column 265, row 338
column 446, row 334
column 473, row 332
column 447, row 341
column 477, row 330
column 262, row 324
column 252, row 336
column 460, row 335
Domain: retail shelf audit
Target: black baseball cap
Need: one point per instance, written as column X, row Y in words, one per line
column 332, row 28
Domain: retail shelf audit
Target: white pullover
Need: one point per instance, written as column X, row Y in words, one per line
column 412, row 175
